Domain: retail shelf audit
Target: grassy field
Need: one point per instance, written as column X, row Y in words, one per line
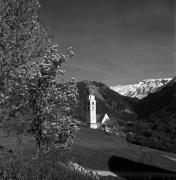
column 94, row 149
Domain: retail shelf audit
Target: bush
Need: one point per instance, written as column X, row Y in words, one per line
column 48, row 166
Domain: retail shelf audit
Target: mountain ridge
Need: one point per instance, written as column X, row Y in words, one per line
column 141, row 89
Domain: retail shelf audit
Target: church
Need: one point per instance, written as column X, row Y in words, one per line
column 96, row 120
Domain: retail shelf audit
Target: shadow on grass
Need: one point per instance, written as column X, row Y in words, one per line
column 136, row 170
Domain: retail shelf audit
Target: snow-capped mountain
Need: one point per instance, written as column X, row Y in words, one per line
column 141, row 89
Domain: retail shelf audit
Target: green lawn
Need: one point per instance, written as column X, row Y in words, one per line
column 93, row 149
column 11, row 143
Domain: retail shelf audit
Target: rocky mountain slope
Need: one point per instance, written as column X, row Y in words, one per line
column 141, row 89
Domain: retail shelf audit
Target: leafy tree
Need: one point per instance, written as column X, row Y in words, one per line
column 31, row 99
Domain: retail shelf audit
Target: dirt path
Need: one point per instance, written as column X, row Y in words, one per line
column 105, row 173
column 169, row 157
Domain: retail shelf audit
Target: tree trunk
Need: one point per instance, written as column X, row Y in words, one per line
column 20, row 141
column 38, row 136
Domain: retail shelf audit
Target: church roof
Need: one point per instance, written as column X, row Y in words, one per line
column 101, row 116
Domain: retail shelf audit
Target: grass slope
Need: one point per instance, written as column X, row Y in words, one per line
column 94, row 149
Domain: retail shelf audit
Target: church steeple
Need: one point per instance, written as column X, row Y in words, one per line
column 92, row 115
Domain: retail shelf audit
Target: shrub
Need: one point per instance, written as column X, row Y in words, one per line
column 48, row 166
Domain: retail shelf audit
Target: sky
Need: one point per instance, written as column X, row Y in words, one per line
column 115, row 41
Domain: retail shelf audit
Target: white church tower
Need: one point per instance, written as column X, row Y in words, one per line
column 92, row 115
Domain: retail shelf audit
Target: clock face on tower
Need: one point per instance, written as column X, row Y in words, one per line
column 93, row 106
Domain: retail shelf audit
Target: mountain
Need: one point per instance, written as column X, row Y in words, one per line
column 164, row 96
column 150, row 121
column 107, row 100
column 156, row 123
column 141, row 89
